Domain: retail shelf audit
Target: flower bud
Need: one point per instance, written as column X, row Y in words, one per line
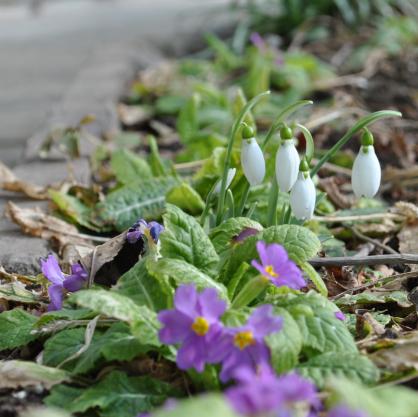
column 230, row 176
column 287, row 161
column 303, row 194
column 252, row 161
column 366, row 174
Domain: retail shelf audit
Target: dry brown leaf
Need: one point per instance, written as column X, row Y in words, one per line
column 408, row 242
column 14, row 374
column 34, row 222
column 9, row 182
column 400, row 356
column 408, row 210
column 332, row 188
column 133, row 115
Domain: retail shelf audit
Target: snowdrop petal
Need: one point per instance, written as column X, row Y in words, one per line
column 287, row 165
column 252, row 161
column 303, row 197
column 366, row 174
column 230, row 176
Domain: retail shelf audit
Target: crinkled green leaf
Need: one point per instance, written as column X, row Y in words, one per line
column 15, row 328
column 186, row 198
column 64, row 314
column 143, row 199
column 370, row 298
column 143, row 288
column 115, row 395
column 16, row 291
column 285, row 345
column 377, row 402
column 186, row 240
column 142, row 320
column 128, row 167
column 349, row 365
column 223, row 236
column 187, row 122
column 183, row 273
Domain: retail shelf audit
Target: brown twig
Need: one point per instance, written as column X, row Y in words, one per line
column 375, row 242
column 361, row 217
column 392, row 259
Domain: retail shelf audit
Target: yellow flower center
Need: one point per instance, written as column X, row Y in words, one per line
column 200, row 326
column 270, row 270
column 244, row 339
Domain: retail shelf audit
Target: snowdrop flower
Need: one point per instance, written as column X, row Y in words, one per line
column 367, row 173
column 303, row 194
column 229, row 178
column 287, row 161
column 252, row 159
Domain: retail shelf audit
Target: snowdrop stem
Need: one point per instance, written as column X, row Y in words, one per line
column 272, row 205
column 234, row 130
column 244, row 198
column 252, row 289
column 208, row 204
column 278, row 123
column 361, row 124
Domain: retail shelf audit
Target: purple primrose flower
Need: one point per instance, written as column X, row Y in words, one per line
column 263, row 393
column 343, row 411
column 194, row 323
column 277, row 267
column 258, row 41
column 245, row 346
column 61, row 282
column 141, row 228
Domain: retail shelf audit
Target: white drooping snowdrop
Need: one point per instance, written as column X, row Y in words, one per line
column 303, row 194
column 366, row 173
column 230, row 176
column 252, row 158
column 287, row 161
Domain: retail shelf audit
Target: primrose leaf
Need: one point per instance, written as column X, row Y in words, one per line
column 142, row 320
column 15, row 328
column 186, row 198
column 183, row 273
column 353, row 366
column 115, row 395
column 187, row 122
column 143, row 288
column 285, row 345
column 377, row 402
column 143, row 199
column 186, row 240
column 128, row 167
column 208, row 405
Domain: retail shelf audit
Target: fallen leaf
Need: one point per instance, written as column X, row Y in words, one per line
column 408, row 242
column 331, row 186
column 133, row 115
column 34, row 222
column 14, row 374
column 9, row 182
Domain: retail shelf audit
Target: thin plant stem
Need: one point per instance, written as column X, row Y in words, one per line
column 234, row 130
column 272, row 205
column 244, row 199
column 361, row 124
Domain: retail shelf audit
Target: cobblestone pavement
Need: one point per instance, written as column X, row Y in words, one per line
column 62, row 59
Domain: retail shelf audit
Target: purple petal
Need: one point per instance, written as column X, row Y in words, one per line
column 192, row 354
column 74, row 283
column 262, row 252
column 155, row 230
column 177, row 326
column 277, row 255
column 56, row 296
column 260, row 268
column 185, row 300
column 133, row 236
column 211, row 306
column 244, row 234
column 257, row 41
column 295, row 388
column 343, row 411
column 235, row 358
column 220, row 346
column 340, row 315
column 263, row 322
column 51, row 269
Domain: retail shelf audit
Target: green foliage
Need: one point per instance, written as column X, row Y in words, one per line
column 377, row 402
column 128, row 167
column 185, row 239
column 116, row 394
column 139, row 285
column 186, row 198
column 143, row 199
column 339, row 364
column 15, row 328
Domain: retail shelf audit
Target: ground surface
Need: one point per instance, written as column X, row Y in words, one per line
column 61, row 56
